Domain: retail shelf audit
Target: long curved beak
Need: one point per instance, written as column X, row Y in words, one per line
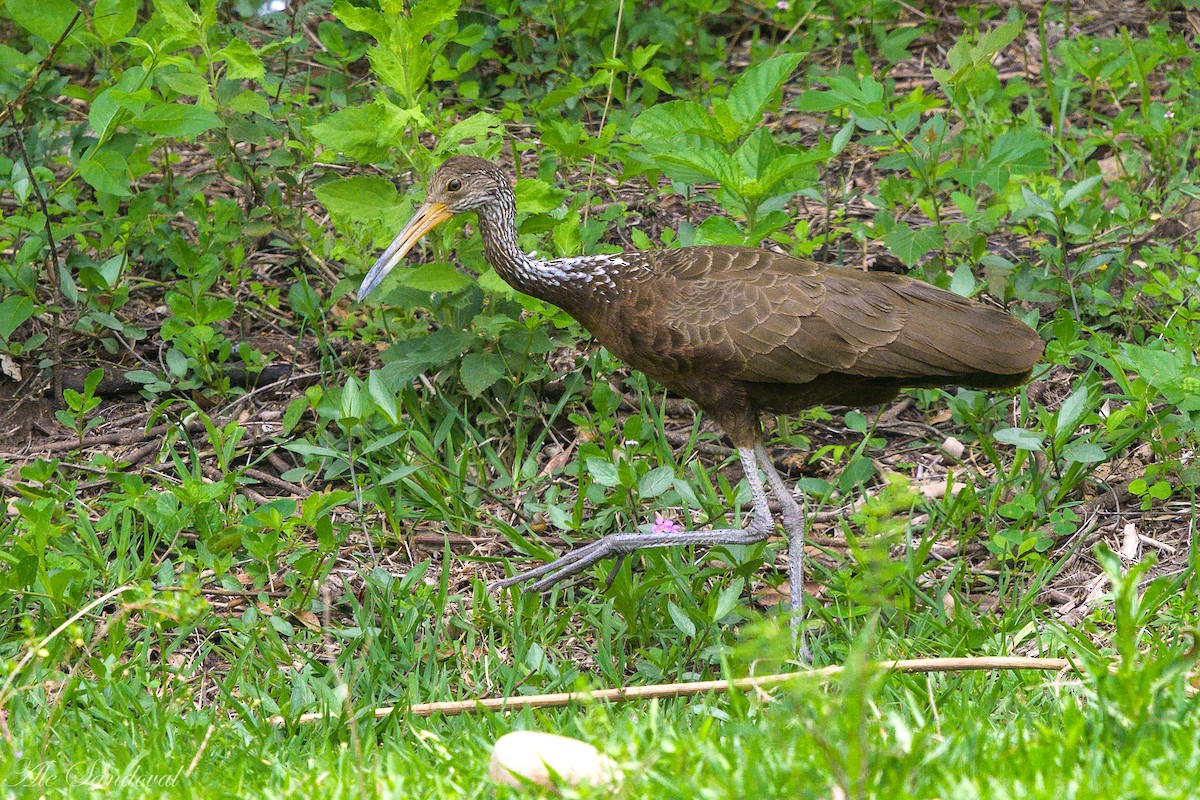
column 428, row 217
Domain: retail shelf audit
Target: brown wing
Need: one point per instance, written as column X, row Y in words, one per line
column 778, row 319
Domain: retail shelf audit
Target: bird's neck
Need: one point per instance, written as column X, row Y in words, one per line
column 566, row 282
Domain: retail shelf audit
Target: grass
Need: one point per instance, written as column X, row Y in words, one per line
column 243, row 495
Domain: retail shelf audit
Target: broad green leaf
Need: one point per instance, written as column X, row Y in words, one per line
column 112, row 19
column 408, row 358
column 14, row 311
column 124, row 96
column 435, row 277
column 106, row 171
column 655, row 482
column 729, row 599
column 479, row 126
column 700, row 166
column 603, row 471
column 46, row 19
column 361, row 197
column 1019, row 438
column 962, row 282
column 757, row 85
column 241, row 61
column 354, row 132
column 537, row 197
column 910, row 244
column 478, row 371
column 666, row 121
column 364, row 20
column 178, row 120
column 1083, row 453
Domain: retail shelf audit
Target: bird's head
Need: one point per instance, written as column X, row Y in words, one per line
column 459, row 185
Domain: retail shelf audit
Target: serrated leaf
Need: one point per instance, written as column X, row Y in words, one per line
column 537, row 197
column 355, row 132
column 437, row 276
column 478, row 371
column 910, row 244
column 178, row 120
column 757, row 86
column 360, row 197
column 665, row 121
column 241, row 61
column 477, row 126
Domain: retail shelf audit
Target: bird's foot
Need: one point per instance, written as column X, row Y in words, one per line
column 622, row 544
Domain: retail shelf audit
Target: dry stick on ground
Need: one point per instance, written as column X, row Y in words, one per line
column 628, row 693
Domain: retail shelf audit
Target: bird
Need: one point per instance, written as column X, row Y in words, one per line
column 742, row 332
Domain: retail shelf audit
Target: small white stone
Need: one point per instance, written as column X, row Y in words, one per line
column 523, row 756
column 953, row 448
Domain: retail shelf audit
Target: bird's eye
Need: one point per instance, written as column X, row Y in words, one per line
column 454, row 185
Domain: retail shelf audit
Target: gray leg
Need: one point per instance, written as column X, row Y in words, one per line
column 619, row 544
column 794, row 527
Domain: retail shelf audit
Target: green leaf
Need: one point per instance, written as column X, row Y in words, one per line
column 1083, row 453
column 438, row 276
column 106, row 171
column 666, row 121
column 729, row 599
column 46, row 19
column 910, row 244
column 364, row 20
column 537, row 197
column 757, row 86
column 656, row 481
column 962, row 282
column 178, row 120
column 603, row 471
column 1077, row 191
column 1071, row 411
column 408, row 358
column 479, row 126
column 355, row 132
column 361, row 197
column 682, row 621
column 478, row 371
column 241, row 61
column 14, row 311
column 1019, row 438
column 112, row 19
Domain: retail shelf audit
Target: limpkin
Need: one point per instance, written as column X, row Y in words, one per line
column 740, row 331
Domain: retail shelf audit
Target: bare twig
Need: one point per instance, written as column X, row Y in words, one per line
column 630, row 693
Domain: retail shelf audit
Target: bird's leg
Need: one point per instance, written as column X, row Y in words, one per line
column 618, row 544
column 794, row 526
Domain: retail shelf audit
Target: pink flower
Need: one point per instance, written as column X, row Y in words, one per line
column 665, row 525
column 783, row 5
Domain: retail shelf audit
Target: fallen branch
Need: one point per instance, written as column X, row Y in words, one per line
column 629, row 693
